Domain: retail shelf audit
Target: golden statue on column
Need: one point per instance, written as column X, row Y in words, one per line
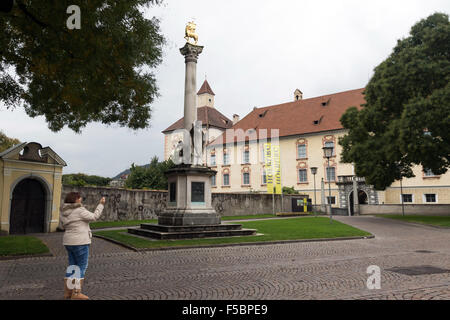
column 190, row 32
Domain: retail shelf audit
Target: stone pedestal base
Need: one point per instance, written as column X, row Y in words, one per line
column 161, row 232
column 178, row 217
column 189, row 213
column 189, row 197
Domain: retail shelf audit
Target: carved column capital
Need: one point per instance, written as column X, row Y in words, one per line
column 191, row 52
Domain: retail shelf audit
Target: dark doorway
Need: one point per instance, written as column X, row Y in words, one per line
column 362, row 199
column 298, row 205
column 27, row 208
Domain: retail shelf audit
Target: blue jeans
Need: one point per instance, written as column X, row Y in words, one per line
column 78, row 256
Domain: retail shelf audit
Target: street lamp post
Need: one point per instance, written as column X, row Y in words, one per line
column 328, row 153
column 401, row 197
column 314, row 172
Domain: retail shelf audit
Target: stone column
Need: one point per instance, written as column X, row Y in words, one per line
column 323, row 204
column 190, row 53
column 355, row 197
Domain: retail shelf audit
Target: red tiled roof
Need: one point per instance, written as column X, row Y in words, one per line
column 206, row 115
column 205, row 88
column 300, row 117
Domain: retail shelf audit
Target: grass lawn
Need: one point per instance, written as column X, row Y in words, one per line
column 258, row 216
column 21, row 245
column 272, row 230
column 432, row 220
column 130, row 223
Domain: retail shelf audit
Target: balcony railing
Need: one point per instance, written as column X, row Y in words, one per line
column 350, row 179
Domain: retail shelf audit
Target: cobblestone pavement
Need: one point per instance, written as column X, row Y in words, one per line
column 310, row 270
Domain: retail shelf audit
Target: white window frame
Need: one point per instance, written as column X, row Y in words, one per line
column 226, row 156
column 326, row 172
column 244, row 152
column 264, row 175
column 327, row 200
column 243, row 178
column 412, row 197
column 306, row 175
column 424, row 198
column 425, row 173
column 298, row 153
column 334, row 146
column 223, row 179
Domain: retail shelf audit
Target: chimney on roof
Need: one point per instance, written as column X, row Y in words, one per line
column 235, row 119
column 298, row 95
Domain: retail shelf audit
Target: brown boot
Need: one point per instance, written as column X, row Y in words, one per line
column 76, row 294
column 67, row 291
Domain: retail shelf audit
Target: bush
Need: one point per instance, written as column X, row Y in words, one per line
column 81, row 180
column 151, row 177
column 289, row 190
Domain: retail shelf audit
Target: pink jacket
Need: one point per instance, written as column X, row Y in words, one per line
column 74, row 219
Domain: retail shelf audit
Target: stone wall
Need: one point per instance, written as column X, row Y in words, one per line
column 412, row 209
column 124, row 204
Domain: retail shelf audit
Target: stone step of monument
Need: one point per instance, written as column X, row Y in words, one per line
column 194, row 228
column 191, row 234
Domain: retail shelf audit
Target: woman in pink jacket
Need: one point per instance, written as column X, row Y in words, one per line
column 74, row 219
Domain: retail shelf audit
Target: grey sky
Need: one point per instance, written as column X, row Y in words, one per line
column 256, row 54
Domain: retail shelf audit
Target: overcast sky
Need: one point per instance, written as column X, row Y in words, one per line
column 256, row 54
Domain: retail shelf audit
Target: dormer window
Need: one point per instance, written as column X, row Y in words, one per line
column 317, row 122
column 262, row 115
column 326, row 103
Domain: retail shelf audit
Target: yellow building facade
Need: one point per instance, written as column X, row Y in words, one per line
column 30, row 189
column 302, row 129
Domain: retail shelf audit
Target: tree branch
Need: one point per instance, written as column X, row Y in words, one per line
column 31, row 16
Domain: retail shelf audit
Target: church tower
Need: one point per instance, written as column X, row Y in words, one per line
column 205, row 96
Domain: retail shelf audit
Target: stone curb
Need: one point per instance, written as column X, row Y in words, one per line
column 25, row 256
column 234, row 244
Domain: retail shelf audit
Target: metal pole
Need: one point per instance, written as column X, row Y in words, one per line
column 329, row 192
column 315, row 202
column 273, row 202
column 401, row 196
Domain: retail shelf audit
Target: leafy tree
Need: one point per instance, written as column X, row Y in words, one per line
column 6, row 142
column 99, row 73
column 151, row 177
column 406, row 118
column 289, row 190
column 81, row 180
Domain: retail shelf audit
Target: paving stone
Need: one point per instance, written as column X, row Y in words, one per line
column 309, row 270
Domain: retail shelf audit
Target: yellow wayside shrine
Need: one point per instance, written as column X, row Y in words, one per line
column 30, row 189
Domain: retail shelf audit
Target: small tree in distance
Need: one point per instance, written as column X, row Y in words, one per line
column 81, row 180
column 7, row 142
column 151, row 177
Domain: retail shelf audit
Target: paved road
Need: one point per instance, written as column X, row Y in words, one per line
column 315, row 270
